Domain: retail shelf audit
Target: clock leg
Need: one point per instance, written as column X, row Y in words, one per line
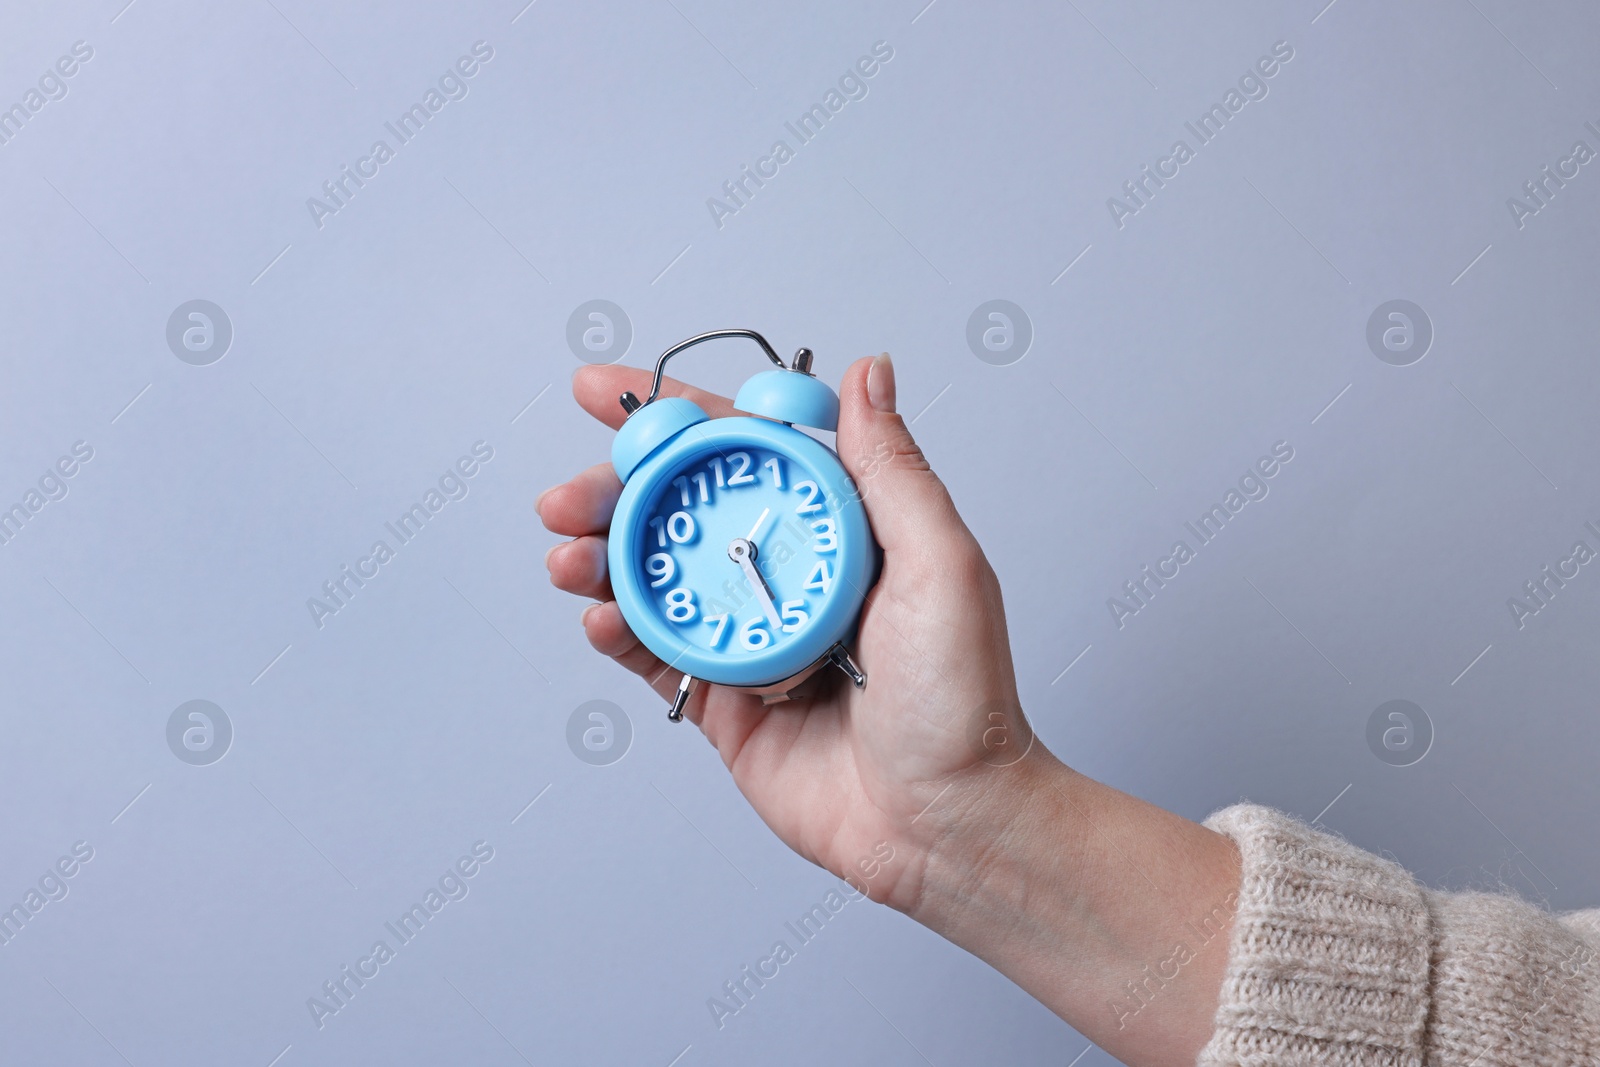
column 679, row 701
column 841, row 659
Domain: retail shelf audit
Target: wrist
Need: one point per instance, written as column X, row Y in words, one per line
column 1079, row 893
column 978, row 839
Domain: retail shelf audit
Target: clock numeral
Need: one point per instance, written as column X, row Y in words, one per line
column 821, row 579
column 753, row 635
column 794, row 615
column 741, row 474
column 827, row 540
column 661, row 566
column 680, row 605
column 699, row 479
column 776, row 468
column 720, row 622
column 716, row 468
column 680, row 527
column 810, row 506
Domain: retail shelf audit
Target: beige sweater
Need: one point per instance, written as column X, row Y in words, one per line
column 1339, row 957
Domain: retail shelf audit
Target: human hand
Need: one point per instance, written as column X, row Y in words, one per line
column 1066, row 885
column 841, row 772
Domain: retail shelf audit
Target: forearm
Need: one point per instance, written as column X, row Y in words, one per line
column 1112, row 912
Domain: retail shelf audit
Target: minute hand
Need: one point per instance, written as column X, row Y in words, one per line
column 743, row 552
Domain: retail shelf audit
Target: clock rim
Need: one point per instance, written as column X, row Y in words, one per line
column 834, row 623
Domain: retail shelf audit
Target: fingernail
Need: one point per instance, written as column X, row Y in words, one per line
column 538, row 502
column 550, row 553
column 583, row 619
column 880, row 383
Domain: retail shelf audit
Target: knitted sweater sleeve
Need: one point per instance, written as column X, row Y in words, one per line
column 1339, row 958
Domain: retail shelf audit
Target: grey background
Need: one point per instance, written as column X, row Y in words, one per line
column 428, row 314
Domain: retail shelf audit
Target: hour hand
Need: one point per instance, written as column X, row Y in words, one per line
column 743, row 552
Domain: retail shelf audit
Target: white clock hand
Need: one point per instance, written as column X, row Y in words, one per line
column 757, row 527
column 743, row 552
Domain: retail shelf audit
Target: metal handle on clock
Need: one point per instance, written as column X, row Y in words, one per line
column 631, row 403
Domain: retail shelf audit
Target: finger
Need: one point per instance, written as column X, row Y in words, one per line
column 609, row 634
column 597, row 390
column 582, row 505
column 580, row 567
column 907, row 503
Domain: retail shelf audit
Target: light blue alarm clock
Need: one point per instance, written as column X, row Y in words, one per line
column 740, row 552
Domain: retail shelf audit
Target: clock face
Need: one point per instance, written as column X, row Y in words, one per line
column 738, row 551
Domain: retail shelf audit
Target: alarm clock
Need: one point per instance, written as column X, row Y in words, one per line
column 740, row 552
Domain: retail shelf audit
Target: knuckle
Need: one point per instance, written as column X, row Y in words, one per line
column 895, row 450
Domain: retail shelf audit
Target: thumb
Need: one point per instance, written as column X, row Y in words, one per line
column 906, row 502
